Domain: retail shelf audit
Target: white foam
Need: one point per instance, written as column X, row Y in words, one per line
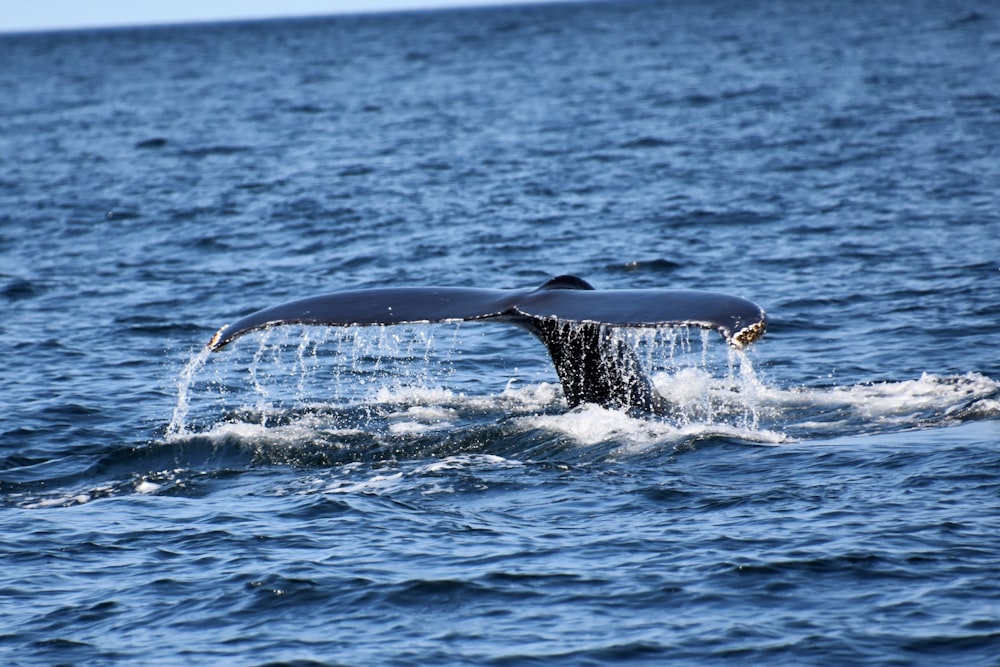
column 429, row 478
column 591, row 424
column 426, row 413
column 894, row 401
column 304, row 429
column 415, row 428
column 986, row 406
column 461, row 461
column 928, row 392
column 59, row 501
column 530, row 398
column 147, row 487
column 376, row 484
column 416, row 395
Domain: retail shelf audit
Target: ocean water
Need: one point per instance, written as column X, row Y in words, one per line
column 422, row 494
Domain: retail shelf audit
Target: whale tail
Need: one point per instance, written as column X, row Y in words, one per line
column 595, row 366
column 574, row 321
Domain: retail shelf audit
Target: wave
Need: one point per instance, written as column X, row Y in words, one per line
column 413, row 416
column 927, row 402
column 431, row 440
column 390, row 388
column 530, row 422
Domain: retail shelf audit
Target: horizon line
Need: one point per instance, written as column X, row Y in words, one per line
column 431, row 6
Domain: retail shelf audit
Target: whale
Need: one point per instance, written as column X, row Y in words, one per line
column 573, row 320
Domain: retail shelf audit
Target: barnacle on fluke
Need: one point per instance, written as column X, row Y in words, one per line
column 749, row 334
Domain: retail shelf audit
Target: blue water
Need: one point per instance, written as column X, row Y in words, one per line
column 422, row 495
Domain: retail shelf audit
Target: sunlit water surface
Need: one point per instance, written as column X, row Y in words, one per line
column 422, row 494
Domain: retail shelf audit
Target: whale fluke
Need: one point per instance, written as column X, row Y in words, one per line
column 572, row 319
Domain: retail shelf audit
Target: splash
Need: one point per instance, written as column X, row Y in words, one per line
column 296, row 370
column 318, row 394
column 411, row 381
column 184, row 380
column 711, row 391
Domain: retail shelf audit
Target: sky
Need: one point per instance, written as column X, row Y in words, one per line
column 22, row 15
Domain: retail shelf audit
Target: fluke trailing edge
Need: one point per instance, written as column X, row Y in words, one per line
column 570, row 317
